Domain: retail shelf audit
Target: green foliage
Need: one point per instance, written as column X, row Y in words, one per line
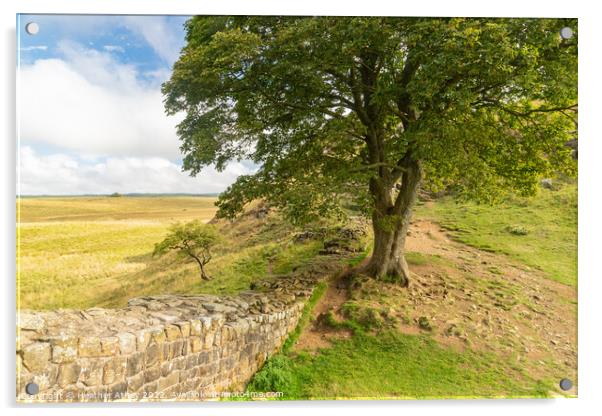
column 328, row 105
column 193, row 239
column 275, row 375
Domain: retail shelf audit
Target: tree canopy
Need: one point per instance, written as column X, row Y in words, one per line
column 368, row 108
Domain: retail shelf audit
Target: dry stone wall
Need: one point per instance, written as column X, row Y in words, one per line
column 168, row 347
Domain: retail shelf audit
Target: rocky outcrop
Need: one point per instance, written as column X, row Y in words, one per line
column 169, row 347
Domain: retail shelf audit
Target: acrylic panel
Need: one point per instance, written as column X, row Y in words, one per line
column 295, row 208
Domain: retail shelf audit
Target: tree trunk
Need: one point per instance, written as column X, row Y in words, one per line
column 204, row 275
column 390, row 221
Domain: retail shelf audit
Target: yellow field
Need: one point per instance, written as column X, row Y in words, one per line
column 80, row 252
column 155, row 209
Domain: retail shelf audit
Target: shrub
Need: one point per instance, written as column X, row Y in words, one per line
column 276, row 375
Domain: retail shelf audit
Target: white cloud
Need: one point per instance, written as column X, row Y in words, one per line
column 60, row 174
column 91, row 104
column 158, row 33
column 113, row 48
column 112, row 117
column 34, row 48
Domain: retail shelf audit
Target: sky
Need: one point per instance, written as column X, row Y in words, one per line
column 90, row 110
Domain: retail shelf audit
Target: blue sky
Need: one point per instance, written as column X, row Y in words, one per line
column 91, row 117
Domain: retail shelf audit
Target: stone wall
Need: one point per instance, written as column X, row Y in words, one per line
column 169, row 347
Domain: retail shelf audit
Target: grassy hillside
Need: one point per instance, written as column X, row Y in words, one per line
column 540, row 232
column 96, row 251
column 490, row 312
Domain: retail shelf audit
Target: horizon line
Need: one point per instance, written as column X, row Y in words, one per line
column 118, row 194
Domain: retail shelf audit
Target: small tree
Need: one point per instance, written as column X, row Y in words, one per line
column 193, row 239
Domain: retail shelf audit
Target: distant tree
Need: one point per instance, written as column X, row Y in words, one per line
column 371, row 107
column 192, row 240
column 115, row 195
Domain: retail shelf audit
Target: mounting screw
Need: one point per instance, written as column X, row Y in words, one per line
column 32, row 388
column 566, row 384
column 566, row 33
column 32, row 28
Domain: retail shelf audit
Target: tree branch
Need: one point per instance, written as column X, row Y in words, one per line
column 488, row 102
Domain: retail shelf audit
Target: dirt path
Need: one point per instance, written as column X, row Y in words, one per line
column 317, row 335
column 470, row 299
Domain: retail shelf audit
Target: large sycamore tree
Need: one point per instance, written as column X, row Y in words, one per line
column 365, row 110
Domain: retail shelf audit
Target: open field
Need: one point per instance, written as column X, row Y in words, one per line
column 77, row 252
column 101, row 208
column 96, row 251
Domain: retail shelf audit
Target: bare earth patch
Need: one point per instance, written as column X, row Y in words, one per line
column 318, row 335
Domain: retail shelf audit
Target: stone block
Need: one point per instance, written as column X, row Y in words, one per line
column 47, row 377
column 191, row 361
column 127, row 343
column 152, row 373
column 170, row 380
column 143, row 338
column 134, row 383
column 117, row 390
column 165, row 350
column 120, row 366
column 109, row 346
column 90, row 347
column 175, row 348
column 64, row 350
column 203, row 358
column 135, row 363
column 150, row 388
column 36, row 356
column 166, row 368
column 158, row 336
column 208, row 340
column 68, row 374
column 114, row 370
column 30, row 321
column 184, row 328
column 91, row 372
column 196, row 344
column 152, row 354
column 172, row 332
column 207, row 323
column 196, row 327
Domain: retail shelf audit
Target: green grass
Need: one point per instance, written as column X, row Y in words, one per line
column 415, row 258
column 540, row 232
column 393, row 365
column 81, row 252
